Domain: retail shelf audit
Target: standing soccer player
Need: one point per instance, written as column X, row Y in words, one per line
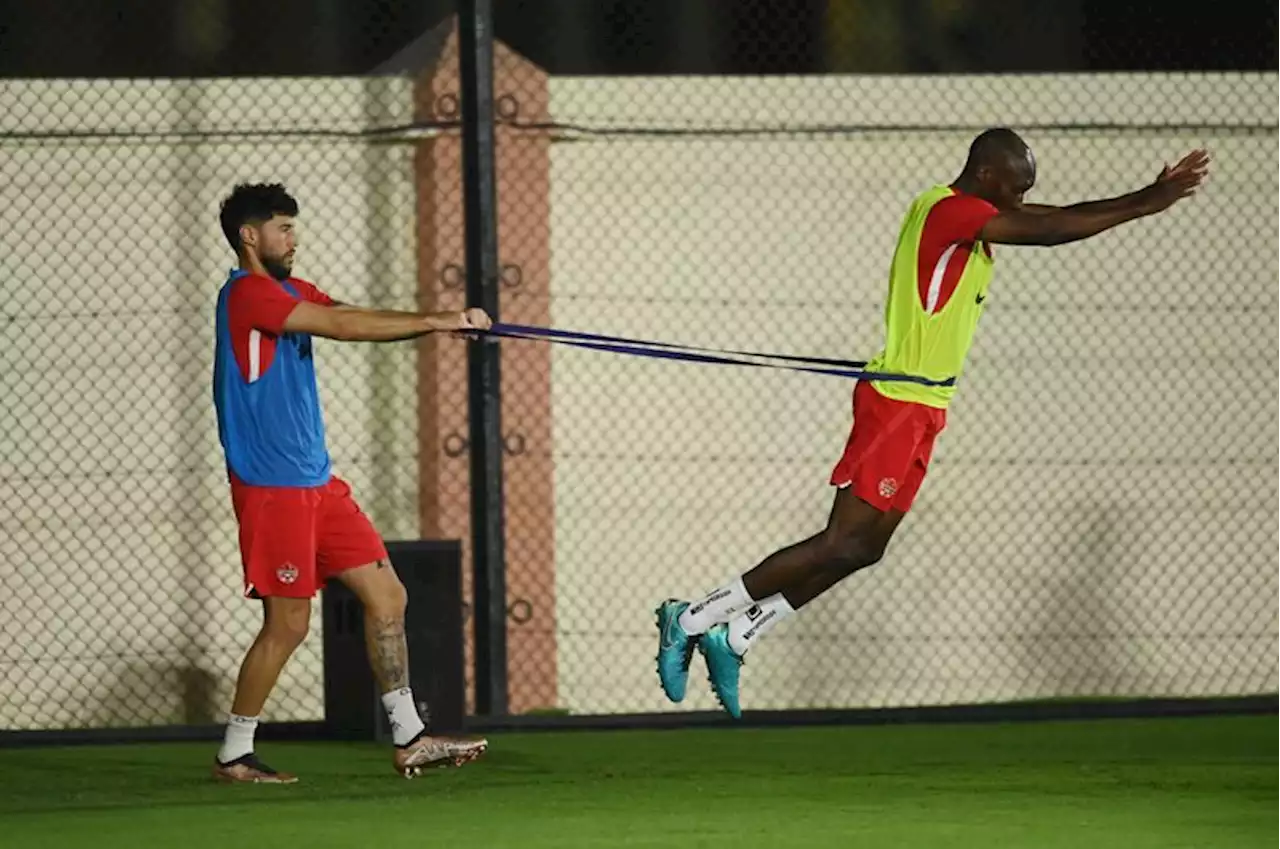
column 937, row 292
column 299, row 525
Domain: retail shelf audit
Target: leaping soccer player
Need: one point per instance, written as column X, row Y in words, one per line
column 938, row 283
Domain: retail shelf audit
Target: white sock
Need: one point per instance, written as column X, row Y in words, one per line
column 238, row 741
column 717, row 607
column 402, row 713
column 756, row 622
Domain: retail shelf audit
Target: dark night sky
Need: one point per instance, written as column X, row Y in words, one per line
column 140, row 37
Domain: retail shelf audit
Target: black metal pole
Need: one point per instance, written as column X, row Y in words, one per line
column 475, row 57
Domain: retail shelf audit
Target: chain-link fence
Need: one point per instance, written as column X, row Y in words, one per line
column 1098, row 520
column 1099, row 517
column 120, row 558
column 121, row 566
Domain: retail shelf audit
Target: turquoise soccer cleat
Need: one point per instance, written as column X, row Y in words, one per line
column 724, row 668
column 675, row 649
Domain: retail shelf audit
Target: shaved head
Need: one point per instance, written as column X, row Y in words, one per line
column 996, row 146
column 1000, row 168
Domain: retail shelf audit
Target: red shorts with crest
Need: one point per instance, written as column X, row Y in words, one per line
column 293, row 540
column 888, row 451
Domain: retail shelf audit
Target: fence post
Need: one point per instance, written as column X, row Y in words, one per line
column 475, row 58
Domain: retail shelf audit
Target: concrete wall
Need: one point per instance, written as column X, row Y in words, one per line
column 1100, row 518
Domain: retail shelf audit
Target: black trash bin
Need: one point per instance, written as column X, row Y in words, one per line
column 431, row 571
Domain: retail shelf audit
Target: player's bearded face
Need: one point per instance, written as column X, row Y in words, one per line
column 277, row 244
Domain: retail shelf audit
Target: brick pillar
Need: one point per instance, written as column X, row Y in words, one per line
column 523, row 180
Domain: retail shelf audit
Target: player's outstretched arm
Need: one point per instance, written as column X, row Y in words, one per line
column 1035, row 224
column 357, row 324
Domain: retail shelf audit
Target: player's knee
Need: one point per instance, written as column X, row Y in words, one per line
column 389, row 600
column 872, row 553
column 289, row 626
column 847, row 553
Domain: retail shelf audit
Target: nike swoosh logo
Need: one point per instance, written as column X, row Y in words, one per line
column 667, row 641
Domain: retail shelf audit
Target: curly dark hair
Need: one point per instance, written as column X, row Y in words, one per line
column 253, row 203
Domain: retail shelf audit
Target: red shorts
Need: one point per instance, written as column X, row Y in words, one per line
column 292, row 539
column 888, row 451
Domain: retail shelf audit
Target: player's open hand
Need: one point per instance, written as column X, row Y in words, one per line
column 1180, row 181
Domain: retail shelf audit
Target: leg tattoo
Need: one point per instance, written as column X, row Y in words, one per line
column 388, row 652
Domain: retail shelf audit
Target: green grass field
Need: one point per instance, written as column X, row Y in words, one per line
column 1209, row 783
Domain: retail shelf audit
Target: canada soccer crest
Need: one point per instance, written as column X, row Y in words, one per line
column 288, row 573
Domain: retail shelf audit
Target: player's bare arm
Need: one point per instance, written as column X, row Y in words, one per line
column 357, row 324
column 1035, row 224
